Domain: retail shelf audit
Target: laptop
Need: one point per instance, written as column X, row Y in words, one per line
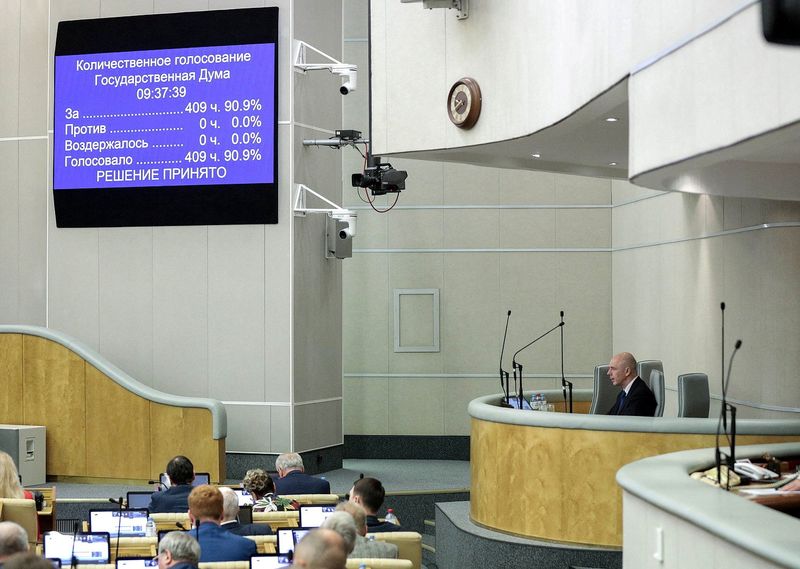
column 138, row 500
column 199, row 478
column 131, row 523
column 288, row 538
column 163, row 532
column 55, row 562
column 136, row 562
column 270, row 561
column 312, row 516
column 90, row 548
column 245, row 498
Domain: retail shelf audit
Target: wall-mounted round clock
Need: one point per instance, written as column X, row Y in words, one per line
column 464, row 102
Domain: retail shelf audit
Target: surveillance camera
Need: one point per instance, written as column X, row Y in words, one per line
column 346, row 233
column 350, row 84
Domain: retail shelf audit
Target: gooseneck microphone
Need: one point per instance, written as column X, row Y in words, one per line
column 518, row 366
column 503, row 373
column 75, row 530
column 722, row 425
column 119, row 502
column 564, row 383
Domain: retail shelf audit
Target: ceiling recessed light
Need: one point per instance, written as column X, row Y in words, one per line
column 611, row 119
column 536, row 155
column 612, row 163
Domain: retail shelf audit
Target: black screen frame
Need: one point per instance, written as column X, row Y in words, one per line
column 222, row 204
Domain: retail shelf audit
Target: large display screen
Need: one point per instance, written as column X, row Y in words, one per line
column 167, row 119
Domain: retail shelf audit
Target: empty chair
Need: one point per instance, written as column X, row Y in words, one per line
column 22, row 512
column 645, row 367
column 605, row 393
column 657, row 387
column 693, row 397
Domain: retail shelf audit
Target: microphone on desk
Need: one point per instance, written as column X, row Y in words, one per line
column 119, row 522
column 503, row 373
column 160, row 484
column 518, row 366
column 730, row 460
column 75, row 530
column 564, row 383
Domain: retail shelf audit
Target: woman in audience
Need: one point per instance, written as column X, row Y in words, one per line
column 262, row 488
column 9, row 479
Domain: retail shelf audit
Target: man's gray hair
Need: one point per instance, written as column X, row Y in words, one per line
column 13, row 539
column 358, row 514
column 343, row 524
column 289, row 461
column 230, row 504
column 181, row 545
column 321, row 548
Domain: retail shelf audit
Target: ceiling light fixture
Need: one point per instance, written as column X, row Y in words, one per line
column 611, row 119
column 536, row 155
column 612, row 163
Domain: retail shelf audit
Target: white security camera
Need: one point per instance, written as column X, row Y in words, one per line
column 352, row 80
column 347, row 223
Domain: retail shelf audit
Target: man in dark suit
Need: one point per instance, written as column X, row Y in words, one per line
column 174, row 500
column 216, row 544
column 293, row 480
column 635, row 397
column 369, row 494
column 230, row 515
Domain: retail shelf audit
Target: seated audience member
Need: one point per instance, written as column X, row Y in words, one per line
column 178, row 549
column 174, row 500
column 293, row 479
column 216, row 544
column 230, row 516
column 261, row 487
column 366, row 548
column 10, row 486
column 369, row 494
column 343, row 524
column 320, row 549
column 635, row 397
column 27, row 561
column 13, row 540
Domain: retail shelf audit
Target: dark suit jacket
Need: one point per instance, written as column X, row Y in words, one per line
column 374, row 525
column 247, row 529
column 640, row 401
column 173, row 500
column 297, row 482
column 218, row 544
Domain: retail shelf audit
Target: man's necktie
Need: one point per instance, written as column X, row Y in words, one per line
column 620, row 401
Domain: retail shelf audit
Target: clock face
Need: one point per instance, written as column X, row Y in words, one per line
column 464, row 103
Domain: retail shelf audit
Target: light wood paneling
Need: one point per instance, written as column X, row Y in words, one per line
column 117, row 429
column 11, row 411
column 55, row 397
column 559, row 484
column 95, row 427
column 174, row 431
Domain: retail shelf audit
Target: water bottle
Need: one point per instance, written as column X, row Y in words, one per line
column 535, row 403
column 542, row 402
column 151, row 527
column 391, row 518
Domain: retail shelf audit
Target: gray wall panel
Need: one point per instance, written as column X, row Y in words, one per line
column 126, row 272
column 33, row 174
column 33, row 64
column 9, row 232
column 236, row 318
column 180, row 304
column 318, row 425
column 9, row 68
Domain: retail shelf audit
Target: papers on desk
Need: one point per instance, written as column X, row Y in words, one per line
column 769, row 492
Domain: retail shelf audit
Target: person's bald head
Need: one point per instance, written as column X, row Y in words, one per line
column 320, row 549
column 13, row 539
column 622, row 369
